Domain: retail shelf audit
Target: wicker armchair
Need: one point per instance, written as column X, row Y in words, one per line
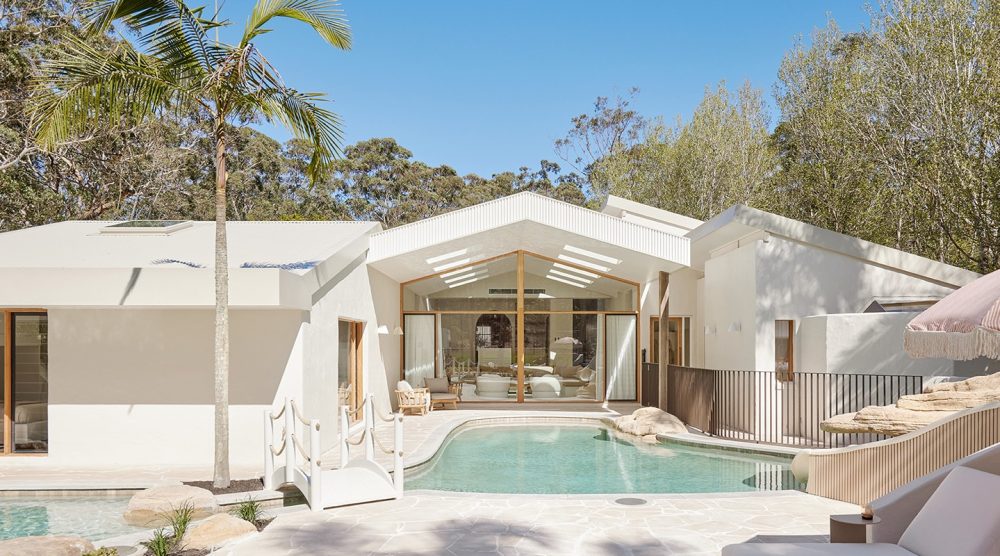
column 413, row 399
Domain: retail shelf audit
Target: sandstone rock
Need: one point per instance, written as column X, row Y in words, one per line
column 215, row 531
column 50, row 545
column 988, row 382
column 151, row 507
column 649, row 421
column 888, row 420
column 948, row 400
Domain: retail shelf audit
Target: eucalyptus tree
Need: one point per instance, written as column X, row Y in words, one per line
column 175, row 64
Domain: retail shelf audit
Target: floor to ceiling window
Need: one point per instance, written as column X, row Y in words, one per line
column 523, row 327
column 25, row 381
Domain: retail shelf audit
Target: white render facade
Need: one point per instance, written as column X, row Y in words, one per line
column 124, row 371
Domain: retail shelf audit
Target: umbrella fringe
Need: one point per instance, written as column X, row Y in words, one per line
column 960, row 346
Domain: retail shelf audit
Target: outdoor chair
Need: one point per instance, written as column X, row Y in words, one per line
column 443, row 392
column 412, row 399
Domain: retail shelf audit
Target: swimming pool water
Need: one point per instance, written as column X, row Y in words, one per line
column 570, row 459
column 92, row 517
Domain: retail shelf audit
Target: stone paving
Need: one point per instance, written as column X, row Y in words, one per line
column 435, row 523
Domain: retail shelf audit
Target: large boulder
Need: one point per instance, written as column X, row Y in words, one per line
column 648, row 421
column 948, row 400
column 216, row 531
column 988, row 382
column 51, row 545
column 153, row 506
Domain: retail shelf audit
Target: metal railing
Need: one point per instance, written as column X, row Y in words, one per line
column 755, row 406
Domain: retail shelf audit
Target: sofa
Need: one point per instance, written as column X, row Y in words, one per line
column 953, row 511
column 31, row 423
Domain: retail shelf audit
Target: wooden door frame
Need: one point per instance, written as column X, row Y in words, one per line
column 8, row 380
column 355, row 361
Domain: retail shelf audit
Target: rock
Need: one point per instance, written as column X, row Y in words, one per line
column 649, row 421
column 877, row 419
column 948, row 400
column 988, row 382
column 215, row 531
column 151, row 507
column 50, row 545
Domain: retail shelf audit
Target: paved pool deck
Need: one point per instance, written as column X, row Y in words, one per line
column 428, row 522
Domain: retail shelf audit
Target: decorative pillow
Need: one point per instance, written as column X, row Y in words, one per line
column 436, row 385
column 961, row 518
column 404, row 386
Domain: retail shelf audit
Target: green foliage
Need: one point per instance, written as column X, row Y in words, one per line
column 103, row 551
column 249, row 510
column 179, row 520
column 161, row 544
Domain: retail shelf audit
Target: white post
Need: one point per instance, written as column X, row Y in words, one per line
column 289, row 442
column 397, row 454
column 345, row 449
column 369, row 427
column 315, row 473
column 268, row 455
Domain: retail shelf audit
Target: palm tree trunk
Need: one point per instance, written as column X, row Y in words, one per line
column 221, row 479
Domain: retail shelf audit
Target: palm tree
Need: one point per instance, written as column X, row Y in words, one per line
column 175, row 65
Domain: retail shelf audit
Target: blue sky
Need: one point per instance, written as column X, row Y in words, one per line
column 489, row 86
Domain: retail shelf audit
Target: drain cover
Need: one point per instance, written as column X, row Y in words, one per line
column 630, row 501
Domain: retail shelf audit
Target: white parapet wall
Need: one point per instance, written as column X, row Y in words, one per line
column 868, row 343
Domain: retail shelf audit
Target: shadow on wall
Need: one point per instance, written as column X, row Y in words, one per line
column 147, row 356
column 456, row 536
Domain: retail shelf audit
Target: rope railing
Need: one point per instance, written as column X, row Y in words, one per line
column 300, row 449
column 298, row 415
column 355, row 411
column 383, row 448
column 361, row 438
column 278, row 452
column 275, row 416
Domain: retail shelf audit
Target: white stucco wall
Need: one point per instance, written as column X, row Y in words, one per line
column 730, row 301
column 135, row 386
column 863, row 343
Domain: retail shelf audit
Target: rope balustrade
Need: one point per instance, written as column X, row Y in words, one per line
column 382, row 446
column 282, row 443
column 360, row 439
column 298, row 415
column 276, row 416
column 300, row 449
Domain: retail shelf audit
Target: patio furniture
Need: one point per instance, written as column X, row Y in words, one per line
column 543, row 387
column 412, row 399
column 442, row 392
column 958, row 517
column 492, row 386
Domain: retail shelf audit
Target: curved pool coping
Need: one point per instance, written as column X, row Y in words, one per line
column 435, row 442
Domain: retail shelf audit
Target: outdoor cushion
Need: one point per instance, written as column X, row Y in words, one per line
column 30, row 412
column 440, row 397
column 961, row 518
column 404, row 386
column 436, row 384
column 814, row 549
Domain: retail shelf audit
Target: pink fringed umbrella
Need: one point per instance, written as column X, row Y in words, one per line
column 964, row 325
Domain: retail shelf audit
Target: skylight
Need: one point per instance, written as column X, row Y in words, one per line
column 146, row 227
column 582, row 262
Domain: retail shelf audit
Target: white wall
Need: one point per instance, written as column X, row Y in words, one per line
column 795, row 281
column 864, row 343
column 135, row 386
column 730, row 300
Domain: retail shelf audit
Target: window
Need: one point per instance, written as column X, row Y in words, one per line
column 25, row 381
column 784, row 356
column 679, row 333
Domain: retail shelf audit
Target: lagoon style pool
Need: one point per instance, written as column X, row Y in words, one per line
column 590, row 459
column 92, row 517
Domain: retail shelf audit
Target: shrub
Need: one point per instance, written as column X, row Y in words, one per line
column 161, row 544
column 179, row 520
column 249, row 510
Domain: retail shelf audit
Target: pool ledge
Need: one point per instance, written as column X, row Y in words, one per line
column 692, row 439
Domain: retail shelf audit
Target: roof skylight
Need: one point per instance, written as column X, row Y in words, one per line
column 146, row 227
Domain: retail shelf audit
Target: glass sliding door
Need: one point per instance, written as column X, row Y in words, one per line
column 25, row 384
column 620, row 333
column 350, row 388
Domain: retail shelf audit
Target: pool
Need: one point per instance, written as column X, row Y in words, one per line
column 92, row 517
column 590, row 459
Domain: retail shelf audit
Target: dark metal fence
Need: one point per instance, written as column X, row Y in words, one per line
column 756, row 406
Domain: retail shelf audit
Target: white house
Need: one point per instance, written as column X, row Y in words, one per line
column 108, row 343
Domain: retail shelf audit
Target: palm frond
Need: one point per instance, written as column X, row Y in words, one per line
column 302, row 115
column 85, row 85
column 324, row 16
column 170, row 29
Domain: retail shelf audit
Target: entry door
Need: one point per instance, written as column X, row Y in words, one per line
column 350, row 368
